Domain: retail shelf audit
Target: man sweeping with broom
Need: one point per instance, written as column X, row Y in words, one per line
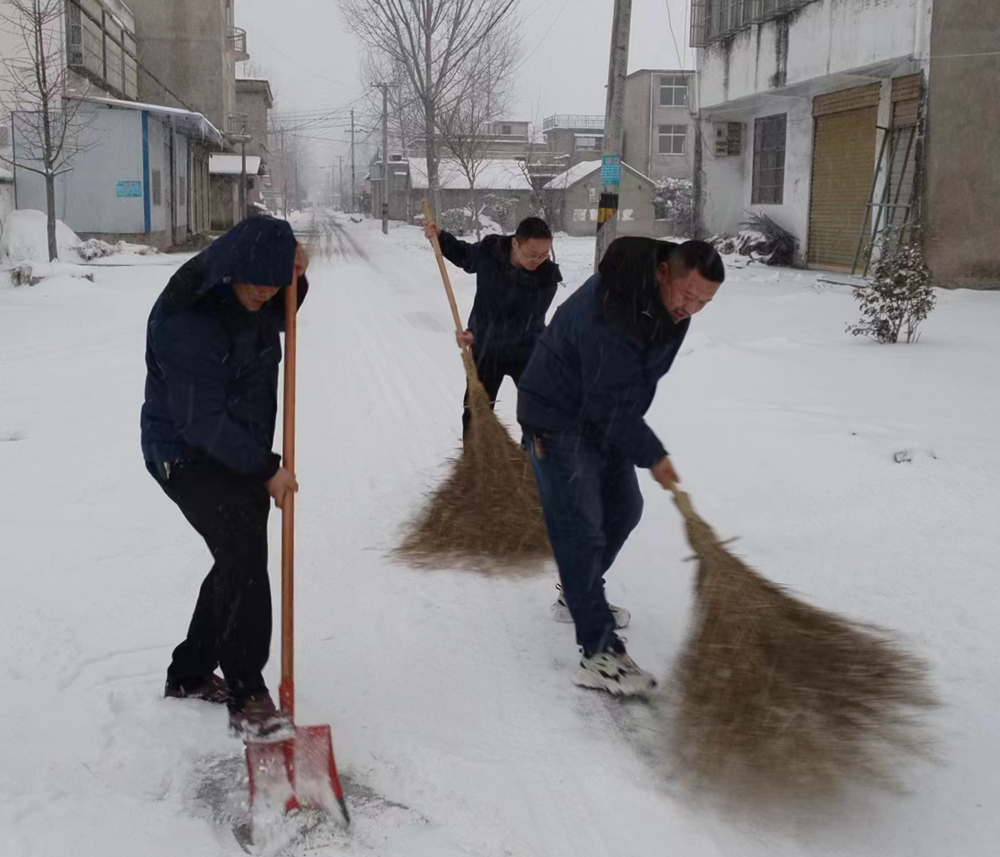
column 582, row 401
column 515, row 284
column 208, row 422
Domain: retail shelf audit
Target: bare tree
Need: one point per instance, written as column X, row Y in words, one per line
column 468, row 125
column 48, row 127
column 431, row 40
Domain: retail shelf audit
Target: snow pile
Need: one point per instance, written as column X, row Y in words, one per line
column 25, row 238
column 97, row 249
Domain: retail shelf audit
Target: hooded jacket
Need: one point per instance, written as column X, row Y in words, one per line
column 508, row 314
column 596, row 369
column 212, row 364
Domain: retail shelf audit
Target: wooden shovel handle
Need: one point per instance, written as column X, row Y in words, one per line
column 288, row 507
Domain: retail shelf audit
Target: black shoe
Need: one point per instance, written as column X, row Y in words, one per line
column 255, row 718
column 210, row 688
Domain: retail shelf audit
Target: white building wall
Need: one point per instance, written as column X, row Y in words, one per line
column 825, row 38
column 87, row 196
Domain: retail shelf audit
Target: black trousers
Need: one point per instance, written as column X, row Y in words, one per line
column 492, row 370
column 231, row 625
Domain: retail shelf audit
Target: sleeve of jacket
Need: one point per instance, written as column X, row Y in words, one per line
column 613, row 392
column 275, row 308
column 192, row 357
column 460, row 253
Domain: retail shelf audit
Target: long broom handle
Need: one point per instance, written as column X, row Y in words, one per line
column 436, row 244
column 287, row 691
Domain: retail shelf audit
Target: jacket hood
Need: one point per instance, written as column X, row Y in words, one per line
column 259, row 251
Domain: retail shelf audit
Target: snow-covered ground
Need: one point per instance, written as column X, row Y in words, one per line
column 453, row 716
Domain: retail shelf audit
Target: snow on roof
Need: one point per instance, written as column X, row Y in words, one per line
column 232, row 165
column 493, row 175
column 6, row 175
column 189, row 120
column 583, row 169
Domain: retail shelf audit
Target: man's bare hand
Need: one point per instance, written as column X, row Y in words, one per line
column 431, row 229
column 280, row 484
column 301, row 261
column 664, row 473
column 464, row 339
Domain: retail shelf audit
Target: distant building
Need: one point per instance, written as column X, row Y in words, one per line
column 226, row 172
column 659, row 128
column 572, row 137
column 839, row 119
column 572, row 200
column 505, row 138
column 133, row 176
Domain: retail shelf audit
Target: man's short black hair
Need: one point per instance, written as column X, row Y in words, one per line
column 697, row 256
column 533, row 227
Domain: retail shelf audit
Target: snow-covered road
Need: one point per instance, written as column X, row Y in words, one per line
column 453, row 716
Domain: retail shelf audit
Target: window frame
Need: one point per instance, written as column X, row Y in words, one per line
column 674, row 134
column 770, row 147
column 672, row 87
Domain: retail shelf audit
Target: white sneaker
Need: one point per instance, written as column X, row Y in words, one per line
column 560, row 612
column 614, row 672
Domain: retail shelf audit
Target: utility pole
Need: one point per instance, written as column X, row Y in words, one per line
column 353, row 195
column 340, row 185
column 614, row 126
column 385, row 157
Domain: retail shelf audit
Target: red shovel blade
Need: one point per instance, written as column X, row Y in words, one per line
column 296, row 773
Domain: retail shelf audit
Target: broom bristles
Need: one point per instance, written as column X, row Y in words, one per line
column 772, row 694
column 486, row 514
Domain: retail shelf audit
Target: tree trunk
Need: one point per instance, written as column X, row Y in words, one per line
column 50, row 209
column 475, row 209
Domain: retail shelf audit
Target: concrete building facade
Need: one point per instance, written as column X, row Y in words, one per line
column 572, row 199
column 832, row 118
column 659, row 126
column 132, row 180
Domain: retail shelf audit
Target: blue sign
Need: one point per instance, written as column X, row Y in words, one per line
column 130, row 189
column 611, row 170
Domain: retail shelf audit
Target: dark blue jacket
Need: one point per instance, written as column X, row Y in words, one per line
column 211, row 364
column 508, row 314
column 591, row 374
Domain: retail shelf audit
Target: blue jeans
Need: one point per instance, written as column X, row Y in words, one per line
column 592, row 502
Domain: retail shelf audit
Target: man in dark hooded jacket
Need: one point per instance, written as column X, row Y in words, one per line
column 582, row 402
column 208, row 421
column 515, row 284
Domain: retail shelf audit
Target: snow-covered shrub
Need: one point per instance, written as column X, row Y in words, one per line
column 95, row 249
column 456, row 221
column 502, row 209
column 900, row 297
column 762, row 240
column 674, row 200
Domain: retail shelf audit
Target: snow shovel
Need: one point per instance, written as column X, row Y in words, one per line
column 298, row 772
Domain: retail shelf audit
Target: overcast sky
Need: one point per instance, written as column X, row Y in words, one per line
column 312, row 60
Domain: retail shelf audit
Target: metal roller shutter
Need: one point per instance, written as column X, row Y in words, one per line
column 843, row 167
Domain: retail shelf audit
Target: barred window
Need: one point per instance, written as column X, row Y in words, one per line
column 673, row 90
column 157, row 187
column 769, row 160
column 673, row 139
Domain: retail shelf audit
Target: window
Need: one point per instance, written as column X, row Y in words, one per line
column 769, row 160
column 505, row 130
column 673, row 139
column 588, row 144
column 182, row 191
column 4, row 136
column 591, row 195
column 157, row 187
column 673, row 90
column 99, row 47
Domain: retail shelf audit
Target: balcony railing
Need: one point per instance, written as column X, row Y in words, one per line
column 238, row 43
column 238, row 125
column 718, row 19
column 573, row 120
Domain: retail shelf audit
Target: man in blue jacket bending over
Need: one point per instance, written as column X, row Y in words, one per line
column 515, row 284
column 212, row 355
column 582, row 402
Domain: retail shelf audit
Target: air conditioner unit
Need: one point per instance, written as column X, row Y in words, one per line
column 728, row 139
